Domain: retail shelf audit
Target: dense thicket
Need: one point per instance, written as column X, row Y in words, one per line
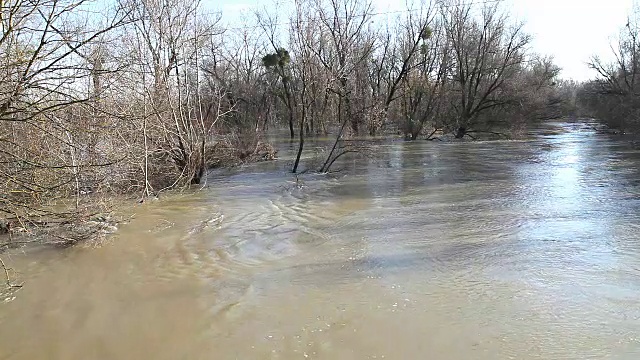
column 149, row 94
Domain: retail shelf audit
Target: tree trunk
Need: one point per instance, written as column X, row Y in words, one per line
column 300, row 147
column 290, row 104
column 292, row 133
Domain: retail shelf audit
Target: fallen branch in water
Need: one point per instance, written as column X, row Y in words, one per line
column 430, row 137
column 7, row 277
column 487, row 132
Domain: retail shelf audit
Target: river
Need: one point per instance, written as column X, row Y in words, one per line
column 478, row 250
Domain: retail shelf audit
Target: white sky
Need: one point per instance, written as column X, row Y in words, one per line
column 569, row 30
column 573, row 30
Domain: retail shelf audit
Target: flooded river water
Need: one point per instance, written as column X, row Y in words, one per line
column 479, row 250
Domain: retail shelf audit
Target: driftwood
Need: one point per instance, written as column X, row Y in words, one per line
column 462, row 132
column 487, row 132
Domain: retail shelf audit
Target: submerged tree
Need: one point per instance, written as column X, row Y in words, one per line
column 487, row 54
column 278, row 62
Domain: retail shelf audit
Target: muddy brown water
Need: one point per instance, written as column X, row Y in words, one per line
column 484, row 250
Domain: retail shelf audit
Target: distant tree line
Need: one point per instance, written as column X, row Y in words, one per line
column 613, row 96
column 149, row 94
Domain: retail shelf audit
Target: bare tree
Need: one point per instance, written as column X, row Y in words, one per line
column 614, row 96
column 172, row 37
column 402, row 50
column 424, row 72
column 279, row 61
column 487, row 52
column 345, row 45
column 47, row 116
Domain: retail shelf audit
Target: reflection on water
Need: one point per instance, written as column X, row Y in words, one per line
column 483, row 250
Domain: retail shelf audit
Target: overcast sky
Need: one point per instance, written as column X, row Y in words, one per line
column 569, row 30
column 572, row 30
